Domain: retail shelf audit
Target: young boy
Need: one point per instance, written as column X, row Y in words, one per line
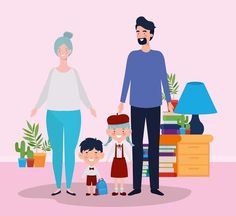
column 91, row 151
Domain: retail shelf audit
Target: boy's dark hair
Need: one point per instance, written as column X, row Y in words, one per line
column 149, row 25
column 90, row 144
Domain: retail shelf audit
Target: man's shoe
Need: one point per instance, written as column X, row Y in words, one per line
column 157, row 192
column 134, row 192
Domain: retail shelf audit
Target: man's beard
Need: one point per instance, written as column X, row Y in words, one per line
column 142, row 41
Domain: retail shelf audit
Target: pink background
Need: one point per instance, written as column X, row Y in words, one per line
column 196, row 37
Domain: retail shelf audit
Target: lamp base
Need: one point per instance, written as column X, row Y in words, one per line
column 196, row 125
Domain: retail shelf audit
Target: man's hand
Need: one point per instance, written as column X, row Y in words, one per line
column 93, row 112
column 121, row 107
column 170, row 107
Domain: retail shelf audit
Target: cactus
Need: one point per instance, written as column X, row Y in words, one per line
column 29, row 153
column 20, row 149
column 187, row 126
column 182, row 121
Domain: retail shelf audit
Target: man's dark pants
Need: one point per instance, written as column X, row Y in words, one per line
column 152, row 117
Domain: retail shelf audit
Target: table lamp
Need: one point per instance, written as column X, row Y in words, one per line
column 195, row 100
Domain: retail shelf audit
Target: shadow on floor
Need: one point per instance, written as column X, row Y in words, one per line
column 172, row 194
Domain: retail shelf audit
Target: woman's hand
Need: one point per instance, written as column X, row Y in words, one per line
column 33, row 112
column 93, row 112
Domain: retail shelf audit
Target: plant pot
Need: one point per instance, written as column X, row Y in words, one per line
column 39, row 159
column 174, row 103
column 22, row 162
column 187, row 131
column 182, row 131
column 30, row 162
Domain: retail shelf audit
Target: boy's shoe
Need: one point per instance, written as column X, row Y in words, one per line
column 114, row 193
column 123, row 194
column 88, row 194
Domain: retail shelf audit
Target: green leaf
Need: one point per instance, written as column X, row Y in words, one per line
column 33, row 126
column 29, row 126
column 37, row 139
column 40, row 141
column 173, row 80
column 29, row 135
column 30, row 144
column 28, row 139
column 27, row 131
column 36, row 130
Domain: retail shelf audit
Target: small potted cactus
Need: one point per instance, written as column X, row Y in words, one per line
column 30, row 157
column 182, row 121
column 21, row 149
column 187, row 128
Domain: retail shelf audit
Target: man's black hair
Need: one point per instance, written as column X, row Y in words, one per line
column 149, row 25
column 90, row 144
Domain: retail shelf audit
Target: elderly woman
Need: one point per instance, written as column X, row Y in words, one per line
column 63, row 92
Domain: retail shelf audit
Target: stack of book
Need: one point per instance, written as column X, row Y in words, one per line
column 167, row 161
column 170, row 125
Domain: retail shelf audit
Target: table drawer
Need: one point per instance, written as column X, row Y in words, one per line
column 193, row 170
column 193, row 159
column 193, row 148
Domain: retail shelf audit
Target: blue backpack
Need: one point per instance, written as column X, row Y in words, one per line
column 102, row 187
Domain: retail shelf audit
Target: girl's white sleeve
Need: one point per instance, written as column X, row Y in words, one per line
column 110, row 152
column 127, row 153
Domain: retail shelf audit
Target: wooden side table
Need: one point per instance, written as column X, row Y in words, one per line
column 192, row 153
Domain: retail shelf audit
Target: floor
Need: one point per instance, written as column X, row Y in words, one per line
column 27, row 191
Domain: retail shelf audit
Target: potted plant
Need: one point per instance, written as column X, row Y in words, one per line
column 35, row 140
column 182, row 121
column 30, row 157
column 187, row 128
column 46, row 147
column 174, row 87
column 21, row 150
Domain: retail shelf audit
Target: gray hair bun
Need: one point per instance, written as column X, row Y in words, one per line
column 68, row 35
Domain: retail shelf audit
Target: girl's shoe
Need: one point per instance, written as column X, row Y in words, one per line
column 123, row 194
column 88, row 194
column 114, row 193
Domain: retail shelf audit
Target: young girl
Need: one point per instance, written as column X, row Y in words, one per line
column 119, row 131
